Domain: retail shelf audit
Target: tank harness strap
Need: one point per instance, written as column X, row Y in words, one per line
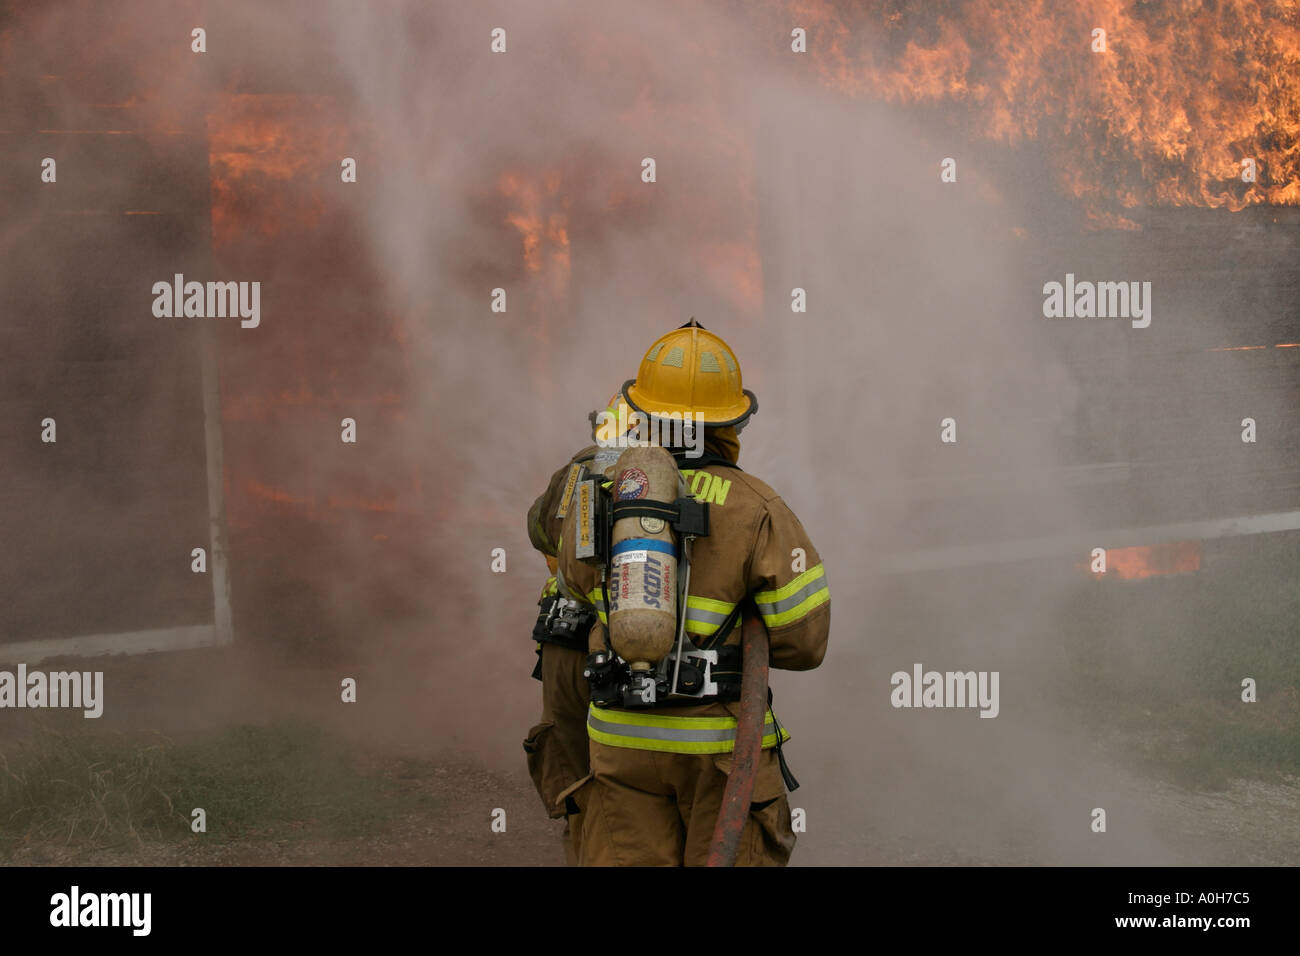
column 725, row 628
column 647, row 508
column 686, row 515
column 791, row 784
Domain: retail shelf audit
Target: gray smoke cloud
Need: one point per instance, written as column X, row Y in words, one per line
column 924, row 304
column 912, row 319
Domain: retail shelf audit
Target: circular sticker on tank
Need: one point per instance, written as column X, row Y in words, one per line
column 632, row 483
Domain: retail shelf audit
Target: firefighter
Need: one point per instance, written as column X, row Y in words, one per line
column 557, row 746
column 658, row 773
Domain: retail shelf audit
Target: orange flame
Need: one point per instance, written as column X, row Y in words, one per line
column 259, row 148
column 542, row 222
column 1146, row 561
column 1181, row 95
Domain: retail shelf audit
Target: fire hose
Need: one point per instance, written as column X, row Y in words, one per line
column 737, row 796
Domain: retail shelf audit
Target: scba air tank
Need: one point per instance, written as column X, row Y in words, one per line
column 642, row 589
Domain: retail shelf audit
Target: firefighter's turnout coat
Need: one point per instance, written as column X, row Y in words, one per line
column 658, row 773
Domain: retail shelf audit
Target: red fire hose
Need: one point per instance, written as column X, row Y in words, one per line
column 749, row 744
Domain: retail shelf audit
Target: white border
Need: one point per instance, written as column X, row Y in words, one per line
column 127, row 642
column 1082, row 543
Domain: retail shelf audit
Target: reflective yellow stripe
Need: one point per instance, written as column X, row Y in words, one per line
column 799, row 610
column 549, row 588
column 792, row 601
column 596, row 596
column 677, row 747
column 781, row 593
column 705, row 615
column 708, row 604
column 683, row 735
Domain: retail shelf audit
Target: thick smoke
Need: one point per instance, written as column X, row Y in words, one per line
column 918, row 312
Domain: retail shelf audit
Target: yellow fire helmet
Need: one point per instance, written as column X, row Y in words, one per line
column 691, row 370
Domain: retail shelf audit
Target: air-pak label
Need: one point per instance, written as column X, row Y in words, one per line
column 575, row 472
column 585, row 546
column 641, row 585
column 652, row 582
column 628, row 557
column 605, row 459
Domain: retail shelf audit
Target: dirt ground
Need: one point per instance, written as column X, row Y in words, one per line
column 446, row 838
column 440, row 795
column 1252, row 823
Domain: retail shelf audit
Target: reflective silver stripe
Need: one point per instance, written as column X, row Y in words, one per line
column 704, row 617
column 669, row 733
column 794, row 600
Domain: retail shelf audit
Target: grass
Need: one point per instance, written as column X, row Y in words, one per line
column 1156, row 665
column 284, row 781
column 1161, row 662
